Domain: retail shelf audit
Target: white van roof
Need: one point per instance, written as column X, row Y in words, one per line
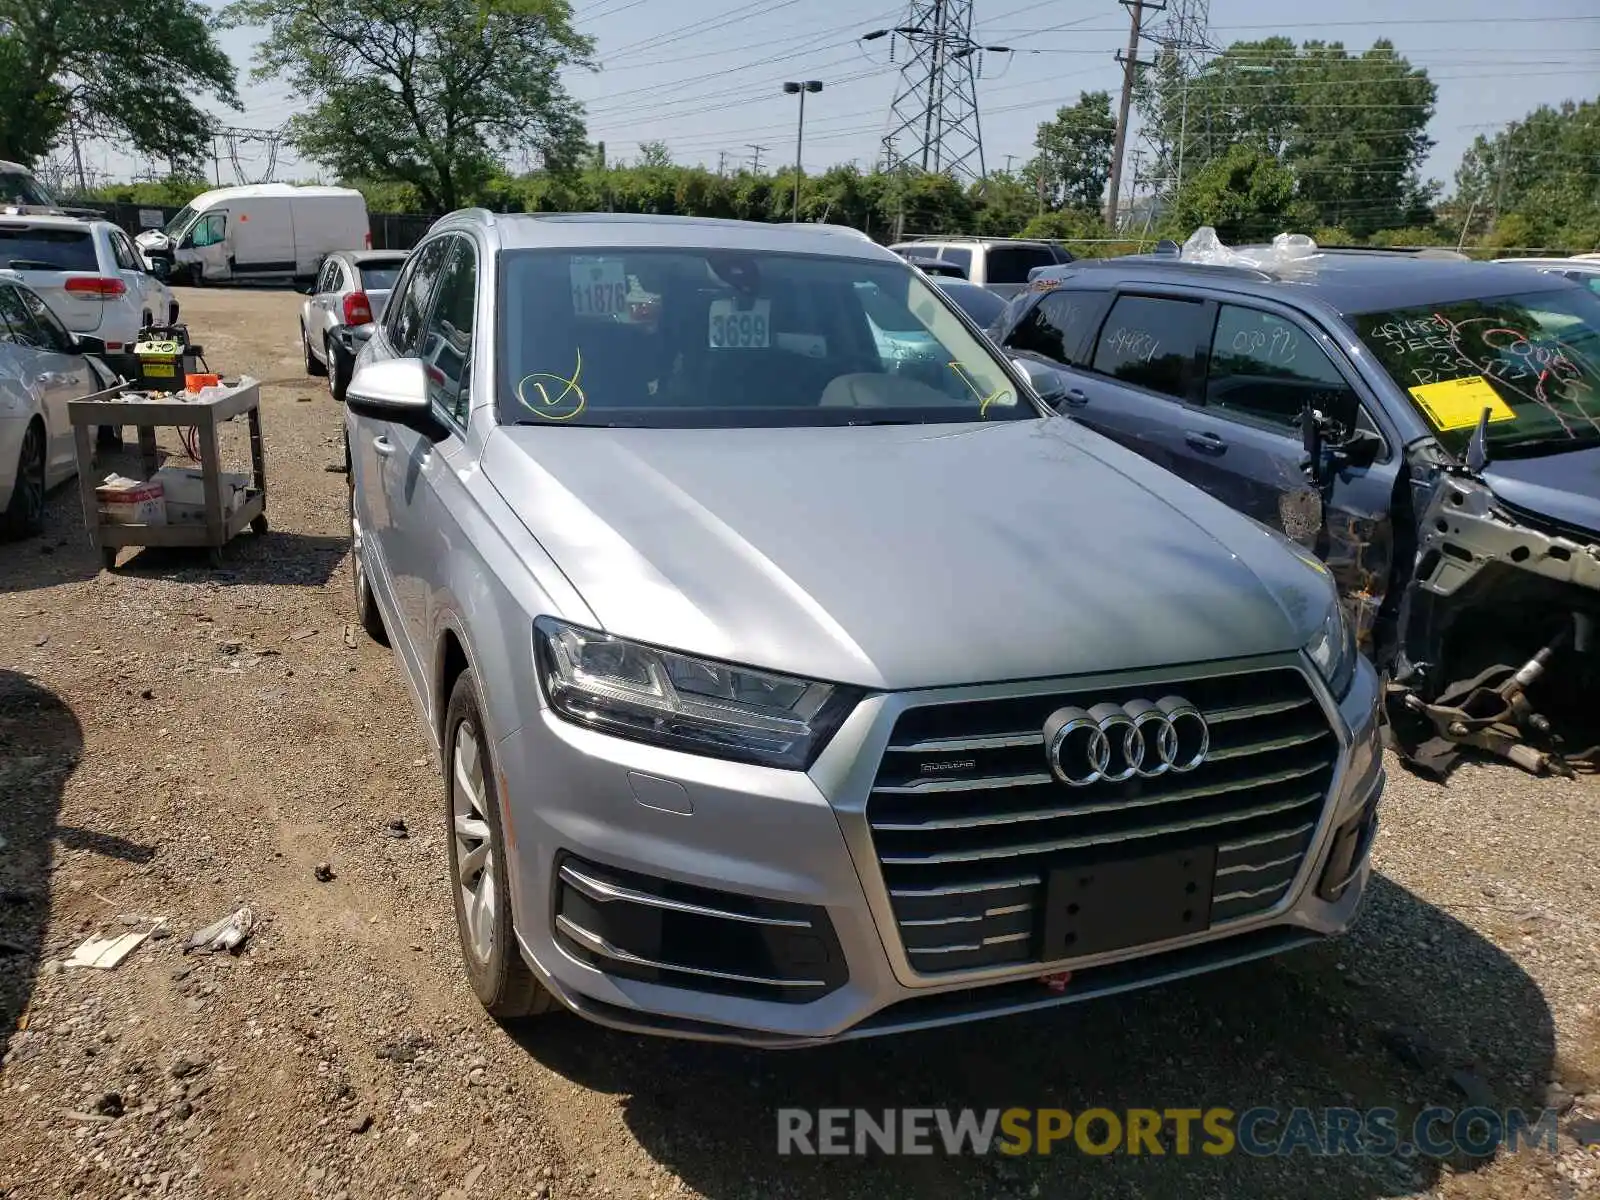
column 260, row 191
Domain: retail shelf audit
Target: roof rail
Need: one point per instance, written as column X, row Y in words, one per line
column 1440, row 252
column 1162, row 262
column 831, row 227
column 477, row 214
column 975, row 237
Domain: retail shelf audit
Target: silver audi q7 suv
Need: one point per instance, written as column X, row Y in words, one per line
column 786, row 694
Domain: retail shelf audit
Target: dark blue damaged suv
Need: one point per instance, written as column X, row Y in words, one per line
column 1429, row 425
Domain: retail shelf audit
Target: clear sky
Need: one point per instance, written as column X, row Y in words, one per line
column 706, row 77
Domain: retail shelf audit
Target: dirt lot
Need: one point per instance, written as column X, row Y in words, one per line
column 178, row 741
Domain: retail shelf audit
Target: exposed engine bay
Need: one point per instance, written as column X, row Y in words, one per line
column 1497, row 637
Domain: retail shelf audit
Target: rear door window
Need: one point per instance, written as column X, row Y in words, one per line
column 1265, row 368
column 25, row 248
column 122, row 251
column 1011, row 264
column 1061, row 326
column 1153, row 342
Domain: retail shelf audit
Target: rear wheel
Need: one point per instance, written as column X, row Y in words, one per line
column 24, row 516
column 313, row 367
column 503, row 982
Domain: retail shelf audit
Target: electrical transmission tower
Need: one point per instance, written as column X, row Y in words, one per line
column 272, row 139
column 1184, row 47
column 933, row 122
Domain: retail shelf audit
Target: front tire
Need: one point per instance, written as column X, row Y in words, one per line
column 24, row 515
column 313, row 367
column 502, row 981
column 367, row 611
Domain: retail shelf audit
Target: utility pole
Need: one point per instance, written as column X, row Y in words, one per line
column 77, row 155
column 1130, row 66
column 1009, row 157
column 755, row 160
column 722, row 161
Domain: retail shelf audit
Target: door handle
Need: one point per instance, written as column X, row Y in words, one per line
column 1076, row 397
column 383, row 445
column 1206, row 443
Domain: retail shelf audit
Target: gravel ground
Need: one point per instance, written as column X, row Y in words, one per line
column 177, row 742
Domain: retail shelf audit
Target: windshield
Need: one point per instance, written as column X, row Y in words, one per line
column 18, row 187
column 28, row 249
column 380, row 277
column 731, row 339
column 1532, row 359
column 178, row 223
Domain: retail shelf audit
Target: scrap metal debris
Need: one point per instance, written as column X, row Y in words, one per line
column 108, row 953
column 227, row 935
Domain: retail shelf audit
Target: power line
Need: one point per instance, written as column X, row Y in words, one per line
column 755, row 160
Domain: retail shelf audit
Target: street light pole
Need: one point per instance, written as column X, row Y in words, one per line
column 800, row 89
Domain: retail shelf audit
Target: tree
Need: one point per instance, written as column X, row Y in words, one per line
column 1074, row 159
column 1003, row 204
column 1246, row 195
column 654, row 154
column 1353, row 129
column 1540, row 170
column 129, row 73
column 433, row 93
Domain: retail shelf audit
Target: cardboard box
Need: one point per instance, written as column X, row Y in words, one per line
column 185, row 491
column 125, row 501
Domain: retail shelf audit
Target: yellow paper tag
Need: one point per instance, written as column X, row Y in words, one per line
column 1458, row 403
column 161, row 370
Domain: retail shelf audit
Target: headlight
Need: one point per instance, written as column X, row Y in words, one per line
column 1333, row 649
column 689, row 704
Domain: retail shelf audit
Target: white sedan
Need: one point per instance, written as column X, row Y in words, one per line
column 42, row 367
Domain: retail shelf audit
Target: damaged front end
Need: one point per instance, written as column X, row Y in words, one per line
column 1497, row 636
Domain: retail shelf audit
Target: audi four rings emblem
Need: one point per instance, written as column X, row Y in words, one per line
column 1111, row 743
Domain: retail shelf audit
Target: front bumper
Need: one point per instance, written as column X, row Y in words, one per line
column 795, row 849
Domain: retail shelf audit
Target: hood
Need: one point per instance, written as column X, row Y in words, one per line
column 1562, row 488
column 152, row 239
column 903, row 556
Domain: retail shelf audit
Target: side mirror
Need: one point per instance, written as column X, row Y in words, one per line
column 83, row 343
column 1360, row 449
column 1311, row 442
column 395, row 390
column 1044, row 380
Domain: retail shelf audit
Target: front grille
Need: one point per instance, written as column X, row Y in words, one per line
column 968, row 822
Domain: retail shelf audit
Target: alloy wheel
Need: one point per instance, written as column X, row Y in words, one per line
column 30, row 477
column 474, row 839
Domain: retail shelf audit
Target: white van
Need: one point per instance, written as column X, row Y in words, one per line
column 261, row 232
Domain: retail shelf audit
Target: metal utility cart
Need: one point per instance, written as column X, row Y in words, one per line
column 124, row 405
